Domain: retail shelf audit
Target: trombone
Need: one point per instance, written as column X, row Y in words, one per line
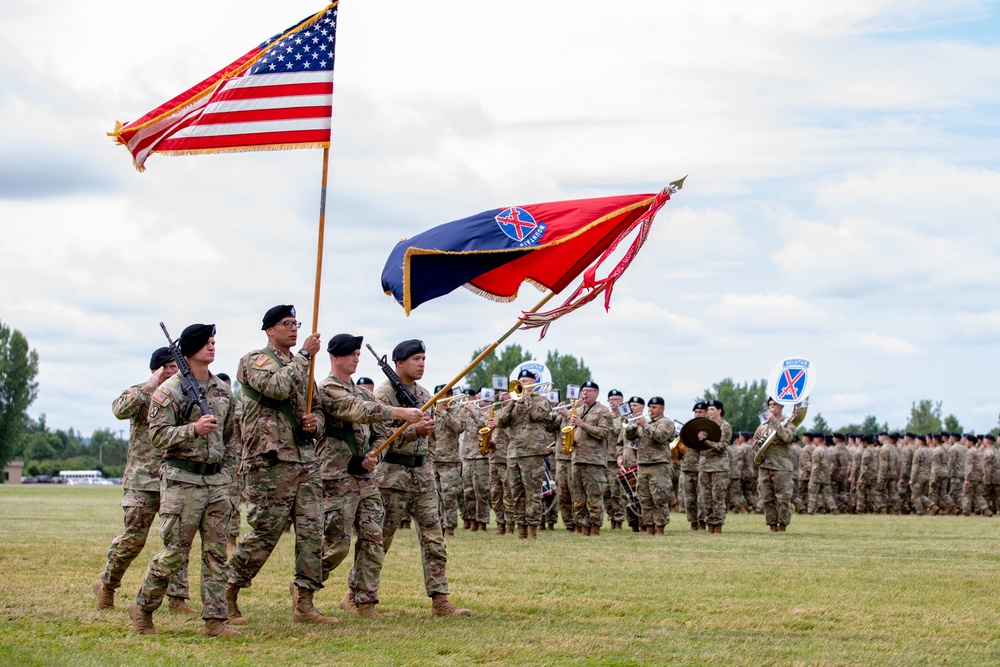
column 446, row 403
column 518, row 390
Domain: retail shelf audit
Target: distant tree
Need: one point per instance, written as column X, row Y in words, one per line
column 869, row 426
column 743, row 402
column 18, row 388
column 820, row 425
column 566, row 369
column 925, row 417
column 510, row 357
column 951, row 424
column 107, row 446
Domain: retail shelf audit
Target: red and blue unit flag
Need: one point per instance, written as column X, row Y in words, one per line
column 278, row 95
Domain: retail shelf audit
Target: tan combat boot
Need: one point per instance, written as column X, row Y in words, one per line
column 305, row 612
column 595, row 530
column 441, row 607
column 180, row 606
column 105, row 596
column 216, row 628
column 552, row 526
column 232, row 597
column 142, row 620
column 651, row 529
column 501, row 528
column 532, row 532
column 347, row 602
column 522, row 531
column 658, row 530
column 694, row 525
column 367, row 610
column 466, row 524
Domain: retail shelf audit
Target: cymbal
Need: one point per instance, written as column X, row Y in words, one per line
column 690, row 430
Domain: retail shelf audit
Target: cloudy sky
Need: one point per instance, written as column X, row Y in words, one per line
column 843, row 199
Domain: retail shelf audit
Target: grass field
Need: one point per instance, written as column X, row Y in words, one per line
column 846, row 590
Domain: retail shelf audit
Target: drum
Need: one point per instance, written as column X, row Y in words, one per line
column 628, row 479
column 548, row 485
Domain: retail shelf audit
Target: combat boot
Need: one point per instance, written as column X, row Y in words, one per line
column 781, row 527
column 180, row 606
column 635, row 527
column 305, row 612
column 694, row 525
column 552, row 526
column 616, row 525
column 773, row 527
column 347, row 603
column 105, row 596
column 232, row 597
column 522, row 531
column 482, row 526
column 466, row 524
column 651, row 529
column 216, row 628
column 571, row 529
column 532, row 532
column 441, row 607
column 658, row 530
column 702, row 525
column 582, row 530
column 501, row 528
column 987, row 512
column 142, row 620
column 595, row 531
column 367, row 610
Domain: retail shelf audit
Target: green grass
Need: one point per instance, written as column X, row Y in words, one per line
column 845, row 590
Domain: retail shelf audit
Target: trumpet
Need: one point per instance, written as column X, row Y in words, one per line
column 563, row 406
column 446, row 403
column 567, row 433
column 632, row 418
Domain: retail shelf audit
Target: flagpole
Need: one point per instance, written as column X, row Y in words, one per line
column 465, row 371
column 319, row 273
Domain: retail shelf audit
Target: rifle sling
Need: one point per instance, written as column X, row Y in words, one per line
column 285, row 406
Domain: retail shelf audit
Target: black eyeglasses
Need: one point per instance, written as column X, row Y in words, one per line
column 291, row 324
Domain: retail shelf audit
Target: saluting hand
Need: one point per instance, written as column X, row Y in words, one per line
column 205, row 425
column 309, row 423
column 155, row 380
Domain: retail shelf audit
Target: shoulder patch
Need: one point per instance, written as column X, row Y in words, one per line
column 260, row 360
column 159, row 396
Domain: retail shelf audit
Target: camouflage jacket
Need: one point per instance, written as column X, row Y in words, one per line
column 973, row 465
column 868, row 468
column 805, row 461
column 821, row 468
column 346, row 406
column 989, row 455
column 957, row 454
column 716, row 457
column 448, row 426
column 590, row 439
column 409, row 443
column 470, row 437
column 939, row 463
column 142, row 464
column 174, row 435
column 265, row 429
column 501, row 443
column 888, row 465
column 779, row 453
column 920, row 465
column 528, row 422
column 654, row 440
column 749, row 468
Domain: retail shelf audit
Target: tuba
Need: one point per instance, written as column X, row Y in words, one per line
column 790, row 381
column 567, row 433
column 764, row 440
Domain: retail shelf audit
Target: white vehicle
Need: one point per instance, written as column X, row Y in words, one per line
column 80, row 476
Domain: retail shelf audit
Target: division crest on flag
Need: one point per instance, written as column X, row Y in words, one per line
column 520, row 226
column 791, row 380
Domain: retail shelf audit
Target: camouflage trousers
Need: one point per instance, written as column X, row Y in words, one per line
column 655, row 490
column 734, row 496
column 423, row 507
column 614, row 495
column 713, row 488
column 955, row 490
column 140, row 510
column 821, row 497
column 525, row 475
column 801, row 493
column 279, row 492
column 775, row 490
column 564, row 491
column 866, row 496
column 187, row 510
column 236, row 497
column 919, row 492
column 973, row 498
column 940, row 495
column 694, row 510
column 476, row 487
column 750, row 492
column 550, row 508
column 842, row 494
column 354, row 504
column 448, row 480
column 588, row 484
column 888, row 494
column 499, row 490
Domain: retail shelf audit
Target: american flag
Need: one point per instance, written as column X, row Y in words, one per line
column 278, row 95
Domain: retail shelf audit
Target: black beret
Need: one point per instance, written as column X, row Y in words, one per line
column 910, row 435
column 615, row 392
column 839, row 436
column 637, row 399
column 437, row 388
column 590, row 384
column 468, row 392
column 344, row 344
column 920, row 438
column 368, row 380
column 276, row 314
column 715, row 403
column 945, row 434
column 990, row 437
column 700, row 405
column 829, row 439
column 867, row 438
column 525, row 373
column 194, row 337
column 655, row 400
column 883, row 433
column 895, row 436
column 223, row 376
column 407, row 349
column 160, row 357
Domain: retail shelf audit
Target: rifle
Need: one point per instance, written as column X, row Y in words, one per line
column 403, row 394
column 193, row 393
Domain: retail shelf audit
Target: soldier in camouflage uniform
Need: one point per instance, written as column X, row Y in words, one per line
column 614, row 496
column 475, row 467
column 200, row 457
column 689, row 477
column 406, row 478
column 713, row 469
column 236, row 489
column 654, row 481
column 734, row 496
column 499, row 482
column 841, row 473
column 920, row 476
column 449, row 423
column 749, row 471
column 989, row 453
column 564, row 479
column 973, row 497
column 528, row 422
column 141, row 483
column 282, row 472
column 957, row 454
column 804, row 471
column 820, row 476
column 867, row 498
column 626, row 450
column 593, row 426
column 905, row 449
column 351, row 499
column 940, row 500
column 775, row 471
